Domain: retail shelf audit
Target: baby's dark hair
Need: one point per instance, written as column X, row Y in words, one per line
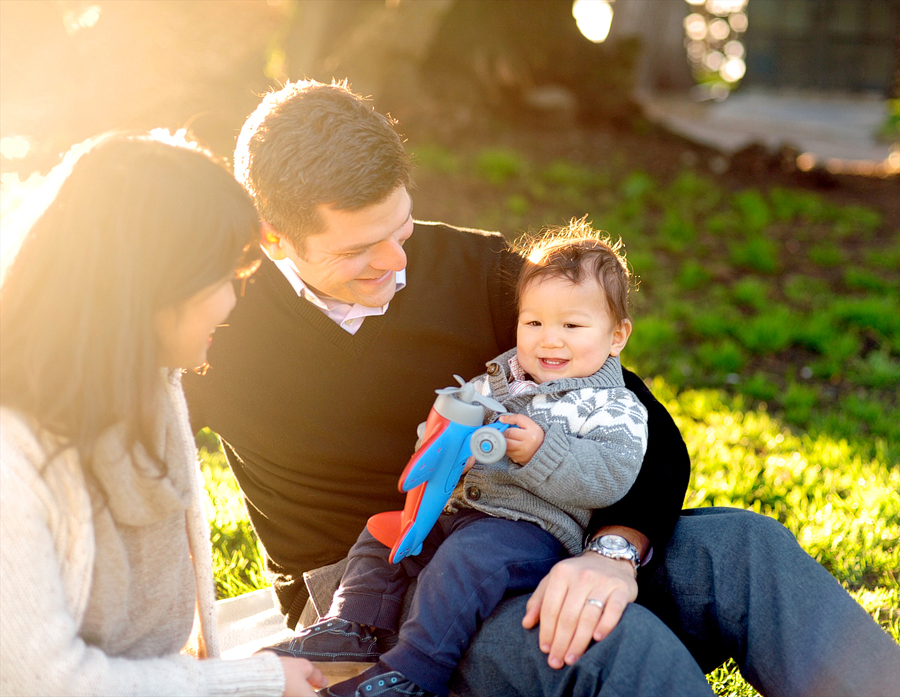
column 575, row 252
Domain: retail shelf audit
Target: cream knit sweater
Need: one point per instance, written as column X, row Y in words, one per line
column 48, row 549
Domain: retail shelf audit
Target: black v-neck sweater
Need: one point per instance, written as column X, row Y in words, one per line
column 318, row 423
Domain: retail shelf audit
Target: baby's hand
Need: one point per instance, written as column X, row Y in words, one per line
column 522, row 442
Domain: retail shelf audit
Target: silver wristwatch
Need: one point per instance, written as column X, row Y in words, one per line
column 615, row 547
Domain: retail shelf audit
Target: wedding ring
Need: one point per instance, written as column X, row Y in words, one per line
column 594, row 601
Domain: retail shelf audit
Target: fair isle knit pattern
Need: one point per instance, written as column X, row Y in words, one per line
column 595, row 437
column 595, row 414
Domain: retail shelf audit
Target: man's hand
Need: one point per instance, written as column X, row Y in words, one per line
column 522, row 442
column 568, row 622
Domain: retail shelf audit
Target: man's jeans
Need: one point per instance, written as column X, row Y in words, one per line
column 730, row 584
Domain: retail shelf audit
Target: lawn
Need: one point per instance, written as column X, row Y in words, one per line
column 767, row 321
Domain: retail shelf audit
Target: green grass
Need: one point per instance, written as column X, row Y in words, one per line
column 237, row 555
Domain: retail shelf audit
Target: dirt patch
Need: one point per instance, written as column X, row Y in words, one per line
column 642, row 146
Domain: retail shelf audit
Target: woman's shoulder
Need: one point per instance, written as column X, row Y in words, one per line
column 34, row 462
column 21, row 444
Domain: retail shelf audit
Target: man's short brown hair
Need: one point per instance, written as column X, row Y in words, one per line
column 310, row 144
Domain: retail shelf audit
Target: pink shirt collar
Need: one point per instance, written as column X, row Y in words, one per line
column 348, row 317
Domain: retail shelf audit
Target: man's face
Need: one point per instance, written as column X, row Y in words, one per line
column 357, row 256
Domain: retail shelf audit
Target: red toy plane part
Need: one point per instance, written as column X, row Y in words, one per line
column 452, row 433
column 391, row 526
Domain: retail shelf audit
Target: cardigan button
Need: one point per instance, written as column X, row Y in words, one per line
column 473, row 493
column 493, row 368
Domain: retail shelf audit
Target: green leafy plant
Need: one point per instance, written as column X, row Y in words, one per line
column 722, row 357
column 826, row 254
column 693, row 275
column 636, row 186
column 789, row 204
column 757, row 253
column 769, row 331
column 799, row 401
column 500, row 165
column 863, row 279
column 753, row 209
column 436, row 158
column 752, row 292
column 517, row 204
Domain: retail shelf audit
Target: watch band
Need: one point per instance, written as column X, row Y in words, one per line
column 615, row 547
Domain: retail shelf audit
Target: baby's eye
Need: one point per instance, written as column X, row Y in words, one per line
column 533, row 323
column 569, row 325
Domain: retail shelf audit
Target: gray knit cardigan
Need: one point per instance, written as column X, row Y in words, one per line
column 595, row 437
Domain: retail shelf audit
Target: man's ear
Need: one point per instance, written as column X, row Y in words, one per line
column 620, row 337
column 271, row 242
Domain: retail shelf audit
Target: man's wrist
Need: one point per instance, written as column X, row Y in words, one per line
column 616, row 548
column 640, row 541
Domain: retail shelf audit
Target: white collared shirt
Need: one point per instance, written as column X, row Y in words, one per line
column 348, row 317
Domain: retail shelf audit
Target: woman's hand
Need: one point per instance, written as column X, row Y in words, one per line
column 301, row 678
column 568, row 622
column 522, row 442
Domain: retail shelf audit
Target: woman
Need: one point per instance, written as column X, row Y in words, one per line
column 119, row 284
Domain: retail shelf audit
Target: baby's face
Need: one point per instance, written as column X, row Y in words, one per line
column 565, row 329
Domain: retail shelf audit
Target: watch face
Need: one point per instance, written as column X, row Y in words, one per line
column 614, row 542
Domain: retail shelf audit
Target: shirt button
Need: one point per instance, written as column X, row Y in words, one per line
column 473, row 493
column 493, row 369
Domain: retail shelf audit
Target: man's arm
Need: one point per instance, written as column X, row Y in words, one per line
column 501, row 289
column 653, row 503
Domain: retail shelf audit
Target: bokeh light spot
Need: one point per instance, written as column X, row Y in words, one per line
column 734, row 49
column 719, row 29
column 725, row 7
column 76, row 20
column 14, row 147
column 733, row 70
column 594, row 18
column 695, row 26
column 713, row 60
column 806, row 161
column 738, row 22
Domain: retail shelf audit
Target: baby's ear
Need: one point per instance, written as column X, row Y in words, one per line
column 620, row 337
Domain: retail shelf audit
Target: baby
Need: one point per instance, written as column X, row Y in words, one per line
column 579, row 443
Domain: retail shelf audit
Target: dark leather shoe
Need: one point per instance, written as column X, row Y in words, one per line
column 332, row 639
column 377, row 681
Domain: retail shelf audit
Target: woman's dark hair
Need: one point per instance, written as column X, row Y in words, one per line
column 138, row 223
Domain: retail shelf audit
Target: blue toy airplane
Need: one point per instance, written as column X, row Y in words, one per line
column 452, row 433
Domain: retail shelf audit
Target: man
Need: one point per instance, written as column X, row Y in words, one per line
column 330, row 360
